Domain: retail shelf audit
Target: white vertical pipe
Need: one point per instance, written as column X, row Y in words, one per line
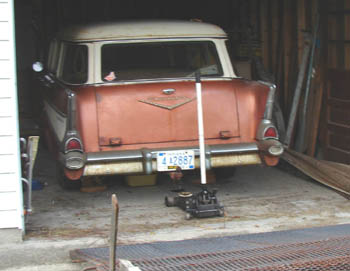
column 200, row 128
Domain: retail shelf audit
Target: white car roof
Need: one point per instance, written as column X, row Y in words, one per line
column 142, row 30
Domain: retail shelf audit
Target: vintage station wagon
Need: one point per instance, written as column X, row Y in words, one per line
column 120, row 99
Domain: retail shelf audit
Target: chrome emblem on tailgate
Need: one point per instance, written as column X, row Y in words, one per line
column 167, row 102
column 169, row 91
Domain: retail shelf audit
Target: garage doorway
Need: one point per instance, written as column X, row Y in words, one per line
column 264, row 33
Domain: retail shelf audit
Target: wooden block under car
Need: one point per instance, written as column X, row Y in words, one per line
column 141, row 180
column 92, row 184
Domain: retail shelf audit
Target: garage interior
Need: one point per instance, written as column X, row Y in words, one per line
column 268, row 33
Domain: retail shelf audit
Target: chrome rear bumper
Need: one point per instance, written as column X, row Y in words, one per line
column 144, row 161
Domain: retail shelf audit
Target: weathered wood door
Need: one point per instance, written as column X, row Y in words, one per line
column 337, row 131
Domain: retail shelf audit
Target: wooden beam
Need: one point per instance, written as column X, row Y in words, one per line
column 321, row 171
column 314, row 117
column 316, row 91
column 342, row 167
column 320, row 84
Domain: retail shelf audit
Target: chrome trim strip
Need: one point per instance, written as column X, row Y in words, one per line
column 270, row 100
column 149, row 154
column 233, row 148
column 107, row 156
column 71, row 110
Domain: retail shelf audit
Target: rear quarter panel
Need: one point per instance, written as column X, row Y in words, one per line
column 87, row 124
column 251, row 99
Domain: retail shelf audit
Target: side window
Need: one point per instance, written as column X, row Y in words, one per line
column 74, row 68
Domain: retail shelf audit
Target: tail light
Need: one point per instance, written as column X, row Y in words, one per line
column 73, row 153
column 73, row 144
column 267, row 136
column 270, row 132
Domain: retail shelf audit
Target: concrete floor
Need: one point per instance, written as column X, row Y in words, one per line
column 256, row 199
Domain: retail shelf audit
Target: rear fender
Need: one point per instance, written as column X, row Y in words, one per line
column 72, row 159
column 270, row 147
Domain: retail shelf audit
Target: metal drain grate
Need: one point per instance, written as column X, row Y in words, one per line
column 331, row 254
column 286, row 257
column 336, row 264
column 339, row 264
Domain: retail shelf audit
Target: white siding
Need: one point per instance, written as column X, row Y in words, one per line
column 5, row 30
column 5, row 11
column 5, row 72
column 11, row 215
column 5, row 87
column 8, row 182
column 5, row 47
column 7, row 203
column 11, row 203
column 7, row 124
column 8, row 165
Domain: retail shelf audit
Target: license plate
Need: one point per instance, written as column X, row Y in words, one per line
column 170, row 160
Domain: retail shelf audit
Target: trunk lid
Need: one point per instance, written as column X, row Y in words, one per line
column 164, row 112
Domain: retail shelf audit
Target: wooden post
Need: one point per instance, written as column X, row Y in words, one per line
column 113, row 233
column 298, row 89
column 316, row 111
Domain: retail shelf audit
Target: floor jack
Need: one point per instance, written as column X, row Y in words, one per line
column 204, row 203
column 201, row 204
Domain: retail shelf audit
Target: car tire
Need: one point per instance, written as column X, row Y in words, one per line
column 64, row 182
